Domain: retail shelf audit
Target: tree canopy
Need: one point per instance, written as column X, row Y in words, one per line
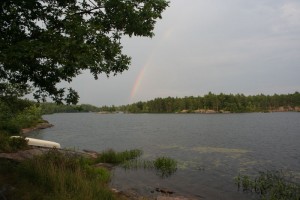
column 235, row 103
column 44, row 42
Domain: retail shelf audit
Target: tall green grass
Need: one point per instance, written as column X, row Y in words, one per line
column 165, row 166
column 57, row 175
column 61, row 176
column 113, row 157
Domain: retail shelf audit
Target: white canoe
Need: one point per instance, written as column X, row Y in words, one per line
column 41, row 143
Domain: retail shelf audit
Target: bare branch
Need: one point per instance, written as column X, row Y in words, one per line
column 93, row 3
column 88, row 11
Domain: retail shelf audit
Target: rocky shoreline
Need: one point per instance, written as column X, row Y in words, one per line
column 45, row 124
column 207, row 111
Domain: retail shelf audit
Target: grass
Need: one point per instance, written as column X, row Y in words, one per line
column 55, row 176
column 113, row 157
column 138, row 164
column 270, row 185
column 164, row 166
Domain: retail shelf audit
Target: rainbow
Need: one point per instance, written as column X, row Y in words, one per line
column 139, row 78
column 137, row 82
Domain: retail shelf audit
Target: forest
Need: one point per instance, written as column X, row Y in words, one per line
column 213, row 103
column 50, row 108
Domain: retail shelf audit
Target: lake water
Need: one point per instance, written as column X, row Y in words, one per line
column 211, row 149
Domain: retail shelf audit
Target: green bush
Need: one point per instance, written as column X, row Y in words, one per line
column 16, row 114
column 28, row 117
column 10, row 127
column 8, row 144
column 18, row 143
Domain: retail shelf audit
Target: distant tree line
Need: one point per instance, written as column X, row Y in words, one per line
column 235, row 103
column 49, row 108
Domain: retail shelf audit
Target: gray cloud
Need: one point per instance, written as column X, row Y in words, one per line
column 232, row 46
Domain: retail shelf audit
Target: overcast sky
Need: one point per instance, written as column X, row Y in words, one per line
column 229, row 46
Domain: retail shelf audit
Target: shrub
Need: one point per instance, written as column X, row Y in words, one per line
column 9, row 144
column 28, row 117
column 16, row 114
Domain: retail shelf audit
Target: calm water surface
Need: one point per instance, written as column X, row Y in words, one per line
column 211, row 149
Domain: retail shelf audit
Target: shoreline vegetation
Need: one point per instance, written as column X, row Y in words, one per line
column 270, row 185
column 49, row 172
column 213, row 103
column 204, row 111
column 207, row 104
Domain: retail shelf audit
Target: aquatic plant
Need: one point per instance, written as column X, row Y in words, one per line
column 113, row 157
column 270, row 185
column 128, row 160
column 138, row 164
column 165, row 166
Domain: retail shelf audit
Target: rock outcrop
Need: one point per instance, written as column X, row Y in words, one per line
column 37, row 127
column 37, row 151
column 24, row 154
